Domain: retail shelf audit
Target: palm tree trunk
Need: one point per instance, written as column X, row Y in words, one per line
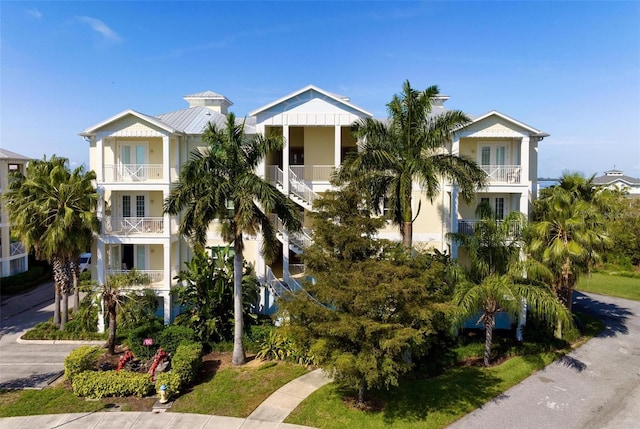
column 58, row 285
column 407, row 234
column 489, row 323
column 238, row 357
column 111, row 341
column 64, row 317
column 76, row 291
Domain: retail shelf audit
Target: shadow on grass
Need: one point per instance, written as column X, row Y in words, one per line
column 612, row 315
column 459, row 390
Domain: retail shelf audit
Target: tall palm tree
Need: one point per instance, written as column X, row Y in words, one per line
column 570, row 232
column 113, row 293
column 220, row 183
column 53, row 211
column 410, row 147
column 495, row 280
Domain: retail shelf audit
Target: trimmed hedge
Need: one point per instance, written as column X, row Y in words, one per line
column 17, row 283
column 172, row 335
column 136, row 337
column 84, row 358
column 99, row 384
column 184, row 368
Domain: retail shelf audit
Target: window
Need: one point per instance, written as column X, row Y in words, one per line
column 140, row 205
column 486, row 155
column 126, row 206
column 499, row 208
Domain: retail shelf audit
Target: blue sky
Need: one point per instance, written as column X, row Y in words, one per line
column 569, row 68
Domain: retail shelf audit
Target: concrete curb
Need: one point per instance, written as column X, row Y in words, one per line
column 19, row 340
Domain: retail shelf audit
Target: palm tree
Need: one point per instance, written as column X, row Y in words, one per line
column 53, row 211
column 495, row 280
column 570, row 231
column 113, row 294
column 220, row 183
column 410, row 147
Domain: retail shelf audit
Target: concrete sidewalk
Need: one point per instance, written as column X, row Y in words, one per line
column 269, row 415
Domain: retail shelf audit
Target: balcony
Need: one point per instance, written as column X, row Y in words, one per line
column 313, row 173
column 503, row 173
column 132, row 173
column 133, row 225
column 468, row 227
column 156, row 276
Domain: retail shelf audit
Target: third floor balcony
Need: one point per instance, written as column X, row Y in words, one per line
column 131, row 173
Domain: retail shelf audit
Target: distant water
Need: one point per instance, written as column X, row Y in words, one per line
column 546, row 183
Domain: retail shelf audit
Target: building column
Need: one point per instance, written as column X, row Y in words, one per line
column 337, row 150
column 285, row 159
column 524, row 203
column 100, row 159
column 524, row 160
column 166, row 253
column 166, row 161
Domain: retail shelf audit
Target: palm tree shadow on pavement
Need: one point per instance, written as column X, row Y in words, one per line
column 612, row 315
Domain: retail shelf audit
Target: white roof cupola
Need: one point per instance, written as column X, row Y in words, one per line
column 209, row 99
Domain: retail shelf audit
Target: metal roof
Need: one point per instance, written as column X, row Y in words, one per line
column 7, row 154
column 608, row 179
column 193, row 120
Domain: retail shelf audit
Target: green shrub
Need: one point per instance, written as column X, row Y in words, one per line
column 173, row 335
column 171, row 380
column 99, row 384
column 23, row 281
column 136, row 337
column 186, row 361
column 49, row 331
column 79, row 360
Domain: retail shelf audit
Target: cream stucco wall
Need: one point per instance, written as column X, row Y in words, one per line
column 319, row 145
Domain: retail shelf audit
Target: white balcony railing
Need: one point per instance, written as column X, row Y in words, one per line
column 16, row 248
column 136, row 172
column 503, row 173
column 156, row 276
column 296, row 269
column 133, row 225
column 274, row 175
column 314, row 173
column 468, row 227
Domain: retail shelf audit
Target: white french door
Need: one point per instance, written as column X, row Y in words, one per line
column 133, row 159
column 128, row 256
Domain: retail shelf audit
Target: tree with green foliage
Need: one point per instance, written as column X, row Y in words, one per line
column 113, row 296
column 570, row 232
column 52, row 211
column 623, row 227
column 496, row 280
column 371, row 307
column 411, row 146
column 206, row 291
column 220, row 183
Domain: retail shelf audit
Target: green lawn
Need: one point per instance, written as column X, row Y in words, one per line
column 435, row 402
column 612, row 285
column 54, row 400
column 236, row 392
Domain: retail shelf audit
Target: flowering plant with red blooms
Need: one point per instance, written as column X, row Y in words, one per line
column 160, row 356
column 124, row 359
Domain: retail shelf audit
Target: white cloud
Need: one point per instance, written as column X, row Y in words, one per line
column 35, row 13
column 100, row 27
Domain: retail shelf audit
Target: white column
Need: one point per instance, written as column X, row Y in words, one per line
column 166, row 251
column 100, row 159
column 166, row 300
column 524, row 160
column 454, row 219
column 285, row 159
column 101, row 263
column 524, row 203
column 261, row 169
column 166, row 161
column 337, row 145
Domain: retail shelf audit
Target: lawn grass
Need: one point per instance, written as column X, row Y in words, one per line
column 54, row 400
column 236, row 392
column 435, row 402
column 611, row 285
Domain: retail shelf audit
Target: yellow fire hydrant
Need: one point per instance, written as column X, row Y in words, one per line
column 164, row 394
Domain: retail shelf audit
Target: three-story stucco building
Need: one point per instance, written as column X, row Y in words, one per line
column 138, row 156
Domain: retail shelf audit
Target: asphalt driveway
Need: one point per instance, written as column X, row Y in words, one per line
column 595, row 386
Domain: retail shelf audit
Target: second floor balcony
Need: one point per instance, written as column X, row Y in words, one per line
column 133, row 225
column 468, row 227
column 503, row 173
column 131, row 173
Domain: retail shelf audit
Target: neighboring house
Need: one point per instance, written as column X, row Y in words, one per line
column 137, row 157
column 13, row 257
column 616, row 179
